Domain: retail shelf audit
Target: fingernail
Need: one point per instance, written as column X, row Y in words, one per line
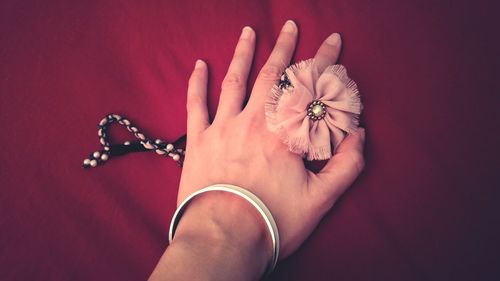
column 333, row 39
column 246, row 33
column 199, row 64
column 289, row 26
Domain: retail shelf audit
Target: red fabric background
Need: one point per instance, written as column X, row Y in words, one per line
column 426, row 207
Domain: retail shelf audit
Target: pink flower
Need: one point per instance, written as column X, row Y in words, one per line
column 315, row 111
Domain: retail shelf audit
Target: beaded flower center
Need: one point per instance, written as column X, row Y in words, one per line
column 316, row 110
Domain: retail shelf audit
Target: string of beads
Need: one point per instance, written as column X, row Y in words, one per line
column 142, row 144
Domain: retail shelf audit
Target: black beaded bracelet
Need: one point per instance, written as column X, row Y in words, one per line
column 143, row 143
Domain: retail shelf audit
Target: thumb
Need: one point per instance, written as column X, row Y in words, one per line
column 341, row 170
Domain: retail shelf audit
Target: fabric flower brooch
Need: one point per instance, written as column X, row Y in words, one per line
column 312, row 110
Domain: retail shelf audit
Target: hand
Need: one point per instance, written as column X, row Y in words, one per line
column 238, row 149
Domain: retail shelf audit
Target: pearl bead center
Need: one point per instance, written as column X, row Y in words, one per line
column 317, row 110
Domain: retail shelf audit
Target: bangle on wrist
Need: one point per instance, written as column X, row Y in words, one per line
column 248, row 196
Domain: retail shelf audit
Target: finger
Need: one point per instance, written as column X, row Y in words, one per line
column 341, row 170
column 197, row 113
column 328, row 52
column 235, row 82
column 271, row 71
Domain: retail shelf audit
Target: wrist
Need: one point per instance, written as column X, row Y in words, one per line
column 223, row 216
column 225, row 225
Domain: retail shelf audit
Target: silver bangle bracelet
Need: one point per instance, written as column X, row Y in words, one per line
column 247, row 195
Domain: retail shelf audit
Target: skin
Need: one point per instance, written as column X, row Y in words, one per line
column 221, row 236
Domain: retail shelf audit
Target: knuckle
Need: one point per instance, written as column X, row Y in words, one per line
column 270, row 73
column 358, row 161
column 232, row 81
column 220, row 132
column 321, row 202
column 193, row 100
column 252, row 121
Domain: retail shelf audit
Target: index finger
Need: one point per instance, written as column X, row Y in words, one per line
column 271, row 71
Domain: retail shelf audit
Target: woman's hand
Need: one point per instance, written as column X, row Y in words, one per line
column 237, row 148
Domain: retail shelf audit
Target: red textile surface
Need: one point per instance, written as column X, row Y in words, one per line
column 425, row 208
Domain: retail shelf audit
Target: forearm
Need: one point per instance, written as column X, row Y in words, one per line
column 220, row 237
